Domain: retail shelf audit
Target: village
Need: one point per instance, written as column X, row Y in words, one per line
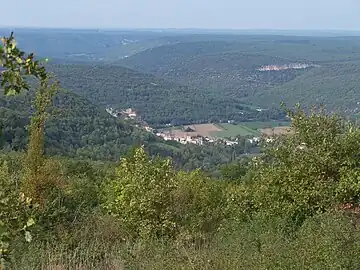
column 186, row 136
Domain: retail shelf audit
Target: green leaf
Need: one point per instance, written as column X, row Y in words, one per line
column 10, row 92
column 30, row 222
column 2, row 228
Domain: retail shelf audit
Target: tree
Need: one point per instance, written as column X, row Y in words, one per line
column 140, row 196
column 16, row 66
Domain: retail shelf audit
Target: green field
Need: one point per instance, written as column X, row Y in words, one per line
column 230, row 130
column 269, row 124
column 246, row 128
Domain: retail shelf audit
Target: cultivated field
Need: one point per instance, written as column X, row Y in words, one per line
column 204, row 130
column 230, row 130
column 252, row 129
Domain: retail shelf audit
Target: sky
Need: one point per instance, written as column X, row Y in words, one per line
column 209, row 14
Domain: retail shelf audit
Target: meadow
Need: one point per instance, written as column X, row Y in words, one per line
column 227, row 130
column 231, row 130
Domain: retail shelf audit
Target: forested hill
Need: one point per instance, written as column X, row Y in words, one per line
column 229, row 68
column 80, row 129
column 234, row 75
column 336, row 85
column 76, row 127
column 216, row 71
column 156, row 100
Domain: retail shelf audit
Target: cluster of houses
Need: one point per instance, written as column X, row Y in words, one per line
column 128, row 113
column 183, row 137
column 198, row 140
column 256, row 140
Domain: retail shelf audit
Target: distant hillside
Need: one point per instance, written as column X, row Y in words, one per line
column 335, row 85
column 85, row 45
column 156, row 100
column 231, row 74
column 308, row 49
column 230, row 69
column 190, row 77
column 112, row 45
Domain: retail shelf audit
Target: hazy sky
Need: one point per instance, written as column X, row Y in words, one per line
column 231, row 14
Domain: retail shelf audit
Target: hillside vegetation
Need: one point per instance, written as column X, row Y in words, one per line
column 79, row 129
column 216, row 71
column 335, row 85
column 234, row 75
column 230, row 69
column 156, row 100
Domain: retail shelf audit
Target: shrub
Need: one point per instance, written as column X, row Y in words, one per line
column 311, row 170
column 152, row 200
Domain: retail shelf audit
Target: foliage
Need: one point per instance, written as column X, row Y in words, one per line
column 141, row 194
column 32, row 183
column 328, row 241
column 235, row 171
column 161, row 217
column 151, row 199
column 16, row 64
column 310, row 171
column 16, row 215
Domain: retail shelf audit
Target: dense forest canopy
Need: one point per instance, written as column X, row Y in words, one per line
column 156, row 100
column 77, row 128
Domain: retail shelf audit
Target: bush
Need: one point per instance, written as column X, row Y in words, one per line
column 310, row 171
column 16, row 213
column 153, row 200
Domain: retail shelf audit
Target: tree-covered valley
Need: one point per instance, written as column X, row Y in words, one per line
column 83, row 189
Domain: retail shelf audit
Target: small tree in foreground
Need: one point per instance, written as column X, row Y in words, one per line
column 16, row 67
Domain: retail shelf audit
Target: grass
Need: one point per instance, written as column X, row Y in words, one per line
column 246, row 128
column 326, row 241
column 230, row 130
column 268, row 124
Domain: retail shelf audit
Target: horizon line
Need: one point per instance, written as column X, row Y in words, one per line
column 178, row 28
